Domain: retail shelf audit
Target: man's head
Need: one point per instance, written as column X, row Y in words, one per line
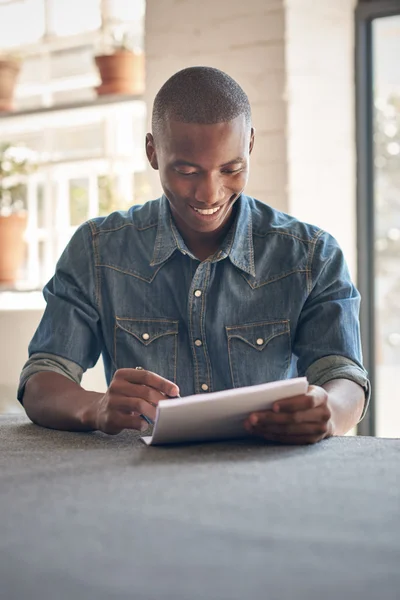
column 201, row 142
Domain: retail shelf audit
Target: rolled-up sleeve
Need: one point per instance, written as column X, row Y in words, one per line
column 69, row 338
column 327, row 340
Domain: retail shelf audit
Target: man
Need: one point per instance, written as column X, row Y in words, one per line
column 201, row 290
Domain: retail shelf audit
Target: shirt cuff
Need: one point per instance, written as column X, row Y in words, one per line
column 42, row 361
column 339, row 367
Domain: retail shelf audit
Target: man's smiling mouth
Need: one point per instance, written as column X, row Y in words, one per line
column 207, row 211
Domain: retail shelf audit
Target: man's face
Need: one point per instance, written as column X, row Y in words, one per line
column 203, row 170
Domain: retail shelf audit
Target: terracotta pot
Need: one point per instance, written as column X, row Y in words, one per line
column 12, row 245
column 121, row 73
column 9, row 71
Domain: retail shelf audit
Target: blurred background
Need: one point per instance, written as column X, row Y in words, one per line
column 77, row 82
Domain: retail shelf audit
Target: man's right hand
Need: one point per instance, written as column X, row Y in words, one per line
column 131, row 393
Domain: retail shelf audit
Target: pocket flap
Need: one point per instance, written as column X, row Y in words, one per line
column 148, row 330
column 258, row 335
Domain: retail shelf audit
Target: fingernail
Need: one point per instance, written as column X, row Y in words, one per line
column 144, row 426
column 254, row 419
column 174, row 393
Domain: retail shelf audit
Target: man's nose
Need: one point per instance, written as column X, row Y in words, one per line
column 209, row 190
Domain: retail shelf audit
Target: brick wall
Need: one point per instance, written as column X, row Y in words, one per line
column 294, row 58
column 245, row 39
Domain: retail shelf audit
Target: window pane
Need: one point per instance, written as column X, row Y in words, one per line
column 41, row 214
column 125, row 10
column 21, row 22
column 78, row 201
column 386, row 45
column 111, row 197
column 74, row 16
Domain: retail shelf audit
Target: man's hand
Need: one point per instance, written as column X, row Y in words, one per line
column 131, row 393
column 302, row 419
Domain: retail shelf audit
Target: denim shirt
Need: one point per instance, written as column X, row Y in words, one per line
column 275, row 301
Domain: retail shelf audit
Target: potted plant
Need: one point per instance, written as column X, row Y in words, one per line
column 121, row 67
column 10, row 67
column 15, row 165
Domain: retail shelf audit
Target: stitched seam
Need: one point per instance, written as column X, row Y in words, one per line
column 250, row 243
column 259, row 348
column 284, row 233
column 310, row 259
column 146, row 320
column 202, row 323
column 289, row 360
column 147, row 342
column 229, row 328
column 254, row 287
column 96, row 260
column 230, row 362
column 130, row 272
column 100, row 231
column 175, row 355
column 191, row 302
column 115, row 345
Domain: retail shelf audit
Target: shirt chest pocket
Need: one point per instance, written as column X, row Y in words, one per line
column 259, row 352
column 147, row 343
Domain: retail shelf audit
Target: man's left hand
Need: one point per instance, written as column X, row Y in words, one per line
column 302, row 419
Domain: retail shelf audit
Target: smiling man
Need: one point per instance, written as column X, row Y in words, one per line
column 201, row 290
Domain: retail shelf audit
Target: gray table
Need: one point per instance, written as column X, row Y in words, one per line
column 86, row 516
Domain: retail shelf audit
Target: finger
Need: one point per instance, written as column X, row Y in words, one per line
column 118, row 421
column 314, row 415
column 148, row 378
column 123, row 388
column 314, row 397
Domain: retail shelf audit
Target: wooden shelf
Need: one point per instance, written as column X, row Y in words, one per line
column 99, row 101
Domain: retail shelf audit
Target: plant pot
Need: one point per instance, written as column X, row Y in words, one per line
column 9, row 71
column 12, row 245
column 121, row 73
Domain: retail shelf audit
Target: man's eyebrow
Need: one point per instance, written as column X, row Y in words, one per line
column 235, row 161
column 186, row 163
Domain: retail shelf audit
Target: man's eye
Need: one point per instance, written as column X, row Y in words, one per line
column 233, row 172
column 186, row 174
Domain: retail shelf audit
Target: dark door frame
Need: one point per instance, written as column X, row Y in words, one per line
column 366, row 12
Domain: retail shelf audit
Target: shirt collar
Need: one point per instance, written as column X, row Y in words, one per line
column 237, row 245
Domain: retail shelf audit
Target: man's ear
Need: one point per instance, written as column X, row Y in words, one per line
column 151, row 151
column 252, row 136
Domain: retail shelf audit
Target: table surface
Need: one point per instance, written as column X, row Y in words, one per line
column 91, row 516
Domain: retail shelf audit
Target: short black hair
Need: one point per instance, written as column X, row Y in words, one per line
column 200, row 95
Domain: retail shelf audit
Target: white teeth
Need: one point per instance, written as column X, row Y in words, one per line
column 209, row 211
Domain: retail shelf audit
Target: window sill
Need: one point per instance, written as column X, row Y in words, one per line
column 25, row 301
column 97, row 101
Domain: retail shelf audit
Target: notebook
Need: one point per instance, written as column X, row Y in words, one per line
column 217, row 415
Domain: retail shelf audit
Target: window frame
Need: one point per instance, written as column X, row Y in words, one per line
column 366, row 12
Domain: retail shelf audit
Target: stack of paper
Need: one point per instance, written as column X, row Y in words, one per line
column 218, row 415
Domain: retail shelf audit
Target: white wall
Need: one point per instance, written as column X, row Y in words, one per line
column 17, row 327
column 245, row 39
column 295, row 60
column 321, row 121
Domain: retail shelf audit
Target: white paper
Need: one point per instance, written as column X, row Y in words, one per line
column 217, row 415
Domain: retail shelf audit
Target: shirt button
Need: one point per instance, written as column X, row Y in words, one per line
column 198, row 343
column 145, row 336
column 197, row 293
column 259, row 341
column 204, row 387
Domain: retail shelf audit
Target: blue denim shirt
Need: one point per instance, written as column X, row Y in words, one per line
column 274, row 302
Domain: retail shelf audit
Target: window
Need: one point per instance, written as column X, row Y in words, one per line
column 89, row 151
column 379, row 208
